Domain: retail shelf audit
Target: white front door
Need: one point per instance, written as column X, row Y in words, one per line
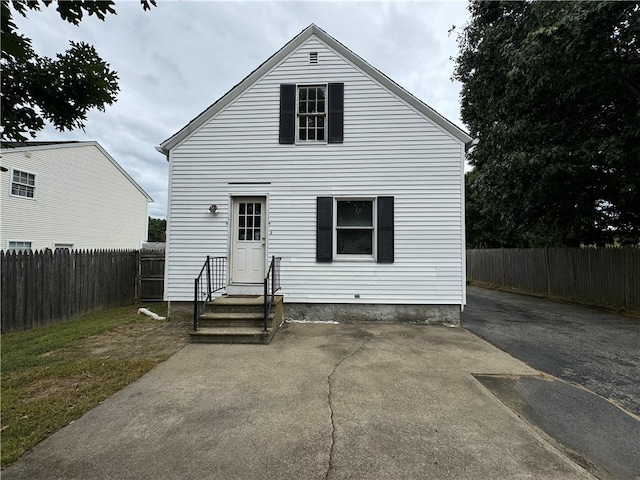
column 248, row 240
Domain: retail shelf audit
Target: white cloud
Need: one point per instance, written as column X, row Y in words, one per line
column 180, row 57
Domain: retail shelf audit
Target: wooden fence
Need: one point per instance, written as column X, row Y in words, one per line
column 607, row 277
column 40, row 288
column 151, row 275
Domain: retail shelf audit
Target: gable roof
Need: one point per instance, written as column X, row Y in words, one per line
column 31, row 146
column 280, row 55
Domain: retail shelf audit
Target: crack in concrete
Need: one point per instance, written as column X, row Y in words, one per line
column 329, row 396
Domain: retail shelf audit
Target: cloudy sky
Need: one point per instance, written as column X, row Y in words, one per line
column 180, row 57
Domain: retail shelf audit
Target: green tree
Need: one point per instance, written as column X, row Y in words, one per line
column 552, row 91
column 157, row 229
column 36, row 89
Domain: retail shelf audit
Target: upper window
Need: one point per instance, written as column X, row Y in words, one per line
column 23, row 184
column 312, row 113
column 19, row 246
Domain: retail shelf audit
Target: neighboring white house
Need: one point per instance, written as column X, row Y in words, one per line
column 318, row 158
column 68, row 195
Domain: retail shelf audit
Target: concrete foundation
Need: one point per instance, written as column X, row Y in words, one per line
column 180, row 311
column 355, row 313
column 350, row 313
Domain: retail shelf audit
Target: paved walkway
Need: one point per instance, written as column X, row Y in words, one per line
column 322, row 401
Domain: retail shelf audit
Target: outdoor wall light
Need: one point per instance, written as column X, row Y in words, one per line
column 213, row 209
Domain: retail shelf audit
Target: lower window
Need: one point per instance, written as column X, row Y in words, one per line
column 355, row 227
column 352, row 228
column 19, row 247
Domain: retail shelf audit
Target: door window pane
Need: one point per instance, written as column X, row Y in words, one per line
column 249, row 224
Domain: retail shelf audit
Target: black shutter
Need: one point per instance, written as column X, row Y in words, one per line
column 385, row 230
column 324, row 238
column 336, row 113
column 287, row 114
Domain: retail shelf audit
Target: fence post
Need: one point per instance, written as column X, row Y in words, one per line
column 138, row 287
column 548, row 270
column 628, row 267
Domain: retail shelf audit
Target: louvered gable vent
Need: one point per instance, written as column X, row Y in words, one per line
column 313, row 57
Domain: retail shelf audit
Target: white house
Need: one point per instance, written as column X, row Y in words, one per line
column 320, row 159
column 68, row 195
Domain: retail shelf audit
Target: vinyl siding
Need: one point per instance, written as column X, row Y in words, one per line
column 81, row 198
column 389, row 149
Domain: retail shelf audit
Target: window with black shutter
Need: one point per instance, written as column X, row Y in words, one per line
column 355, row 228
column 311, row 113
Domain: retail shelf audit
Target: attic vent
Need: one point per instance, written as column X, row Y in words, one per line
column 313, row 57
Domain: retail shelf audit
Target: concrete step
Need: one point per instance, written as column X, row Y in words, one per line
column 236, row 304
column 237, row 319
column 241, row 335
column 215, row 319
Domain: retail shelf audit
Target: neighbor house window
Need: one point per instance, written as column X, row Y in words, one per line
column 23, row 184
column 355, row 227
column 312, row 113
column 19, row 246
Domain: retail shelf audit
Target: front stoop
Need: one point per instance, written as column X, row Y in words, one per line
column 237, row 319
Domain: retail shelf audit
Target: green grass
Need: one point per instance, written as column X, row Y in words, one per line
column 54, row 374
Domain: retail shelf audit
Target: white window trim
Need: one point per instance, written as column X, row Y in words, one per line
column 326, row 114
column 9, row 242
column 11, row 182
column 374, row 244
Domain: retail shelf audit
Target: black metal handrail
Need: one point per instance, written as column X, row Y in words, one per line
column 210, row 280
column 271, row 286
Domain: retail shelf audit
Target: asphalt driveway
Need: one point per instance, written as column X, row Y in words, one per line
column 595, row 349
column 593, row 362
column 320, row 402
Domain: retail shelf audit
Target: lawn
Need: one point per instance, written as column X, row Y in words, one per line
column 52, row 375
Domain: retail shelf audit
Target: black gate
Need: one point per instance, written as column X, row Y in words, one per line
column 151, row 275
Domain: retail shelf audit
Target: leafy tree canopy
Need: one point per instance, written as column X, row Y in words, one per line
column 61, row 90
column 552, row 91
column 157, row 229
